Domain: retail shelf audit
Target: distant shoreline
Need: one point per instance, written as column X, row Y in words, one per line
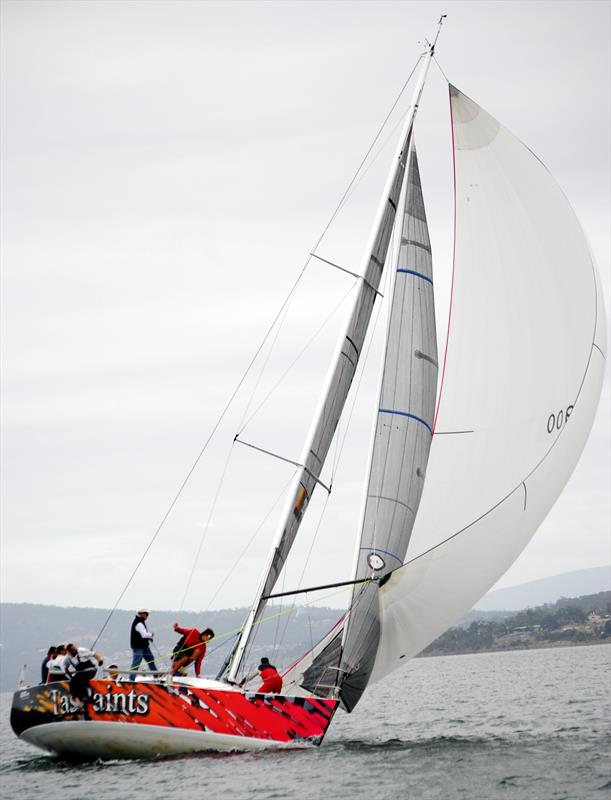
column 537, row 646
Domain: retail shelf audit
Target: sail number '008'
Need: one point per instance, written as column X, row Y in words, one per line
column 556, row 420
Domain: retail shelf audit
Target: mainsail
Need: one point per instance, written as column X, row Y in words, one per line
column 341, row 375
column 402, row 437
column 406, row 405
column 523, row 374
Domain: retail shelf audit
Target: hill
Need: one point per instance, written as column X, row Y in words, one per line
column 577, row 620
column 547, row 590
column 28, row 630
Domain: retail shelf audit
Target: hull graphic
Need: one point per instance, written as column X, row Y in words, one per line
column 143, row 719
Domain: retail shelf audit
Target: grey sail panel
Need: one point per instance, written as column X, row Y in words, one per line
column 340, row 382
column 403, row 435
column 321, row 676
column 407, row 397
column 361, row 647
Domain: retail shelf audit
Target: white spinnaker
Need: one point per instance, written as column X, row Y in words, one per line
column 525, row 345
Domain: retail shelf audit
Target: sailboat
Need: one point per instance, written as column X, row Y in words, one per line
column 470, row 448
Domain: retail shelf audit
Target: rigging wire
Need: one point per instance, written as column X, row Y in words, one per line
column 235, row 632
column 307, row 561
column 199, row 456
column 377, row 155
column 207, row 525
column 441, row 69
column 340, row 448
column 250, row 541
column 352, row 186
column 335, row 464
column 311, row 632
column 346, row 194
column 231, row 448
column 244, row 425
column 216, row 425
column 276, row 643
column 241, row 425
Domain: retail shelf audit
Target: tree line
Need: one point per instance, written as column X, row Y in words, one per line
column 566, row 620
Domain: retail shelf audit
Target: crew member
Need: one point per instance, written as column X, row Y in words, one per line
column 193, row 648
column 54, row 665
column 140, row 640
column 44, row 667
column 81, row 665
column 272, row 680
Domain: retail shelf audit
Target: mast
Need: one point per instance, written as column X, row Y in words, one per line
column 341, row 371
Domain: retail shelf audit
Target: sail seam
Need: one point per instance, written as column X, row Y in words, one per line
column 417, row 244
column 405, row 414
column 421, row 355
column 356, row 350
column 349, row 359
column 599, row 350
column 392, row 500
column 417, row 274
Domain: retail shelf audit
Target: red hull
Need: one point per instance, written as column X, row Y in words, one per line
column 180, row 706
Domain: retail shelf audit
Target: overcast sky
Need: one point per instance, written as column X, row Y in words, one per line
column 166, row 168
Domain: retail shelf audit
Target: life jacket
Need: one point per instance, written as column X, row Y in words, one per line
column 137, row 642
column 272, row 681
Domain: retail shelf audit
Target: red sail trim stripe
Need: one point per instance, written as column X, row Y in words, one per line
column 445, row 352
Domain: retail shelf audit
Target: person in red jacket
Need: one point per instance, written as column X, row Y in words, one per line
column 192, row 648
column 272, row 681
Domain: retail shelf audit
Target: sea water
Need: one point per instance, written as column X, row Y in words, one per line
column 528, row 724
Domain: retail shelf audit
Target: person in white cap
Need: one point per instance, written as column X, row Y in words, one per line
column 140, row 641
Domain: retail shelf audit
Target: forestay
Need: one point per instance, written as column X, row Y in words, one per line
column 523, row 374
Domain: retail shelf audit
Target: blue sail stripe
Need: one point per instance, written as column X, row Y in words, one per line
column 417, row 274
column 405, row 414
column 386, row 552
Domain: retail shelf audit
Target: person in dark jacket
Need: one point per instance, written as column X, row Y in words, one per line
column 140, row 641
column 44, row 669
column 272, row 680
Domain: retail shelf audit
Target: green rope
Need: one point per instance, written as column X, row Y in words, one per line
column 235, row 631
